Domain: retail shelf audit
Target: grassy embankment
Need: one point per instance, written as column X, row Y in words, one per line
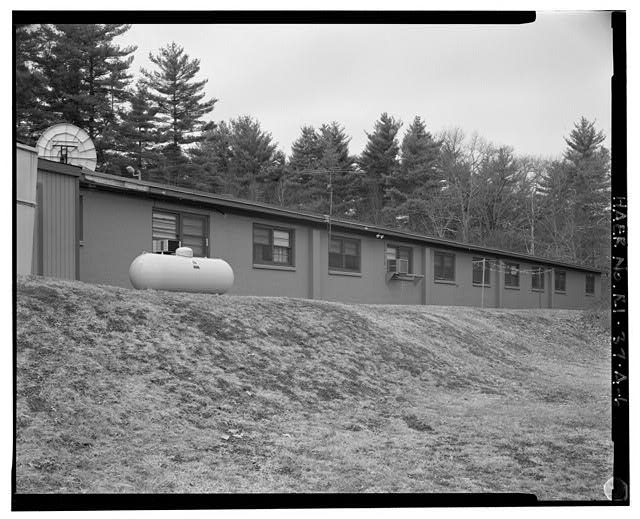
column 125, row 391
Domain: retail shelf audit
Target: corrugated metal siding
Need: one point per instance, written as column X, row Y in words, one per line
column 36, row 260
column 25, row 178
column 58, row 225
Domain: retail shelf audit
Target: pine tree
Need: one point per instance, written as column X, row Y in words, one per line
column 557, row 201
column 273, row 188
column 31, row 112
column 213, row 155
column 306, row 151
column 588, row 169
column 345, row 183
column 321, row 173
column 575, row 199
column 379, row 160
column 411, row 189
column 334, row 146
column 303, row 169
column 419, row 155
column 181, row 105
column 252, row 154
column 320, row 170
column 87, row 76
column 137, row 134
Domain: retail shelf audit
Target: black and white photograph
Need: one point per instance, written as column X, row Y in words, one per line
column 319, row 253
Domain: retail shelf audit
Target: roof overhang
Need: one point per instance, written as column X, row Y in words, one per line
column 24, row 147
column 59, row 167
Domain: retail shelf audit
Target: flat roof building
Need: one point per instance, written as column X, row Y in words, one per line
column 90, row 226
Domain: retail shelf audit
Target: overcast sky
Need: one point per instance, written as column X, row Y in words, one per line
column 522, row 85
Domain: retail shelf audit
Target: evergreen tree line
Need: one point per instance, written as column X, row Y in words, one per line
column 449, row 185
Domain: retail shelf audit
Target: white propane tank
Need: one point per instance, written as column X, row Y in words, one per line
column 180, row 273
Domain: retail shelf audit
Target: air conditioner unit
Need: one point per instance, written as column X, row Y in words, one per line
column 165, row 246
column 399, row 266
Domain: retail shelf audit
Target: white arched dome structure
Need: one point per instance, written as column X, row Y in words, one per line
column 69, row 144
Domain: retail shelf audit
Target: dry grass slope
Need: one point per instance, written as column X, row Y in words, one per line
column 125, row 391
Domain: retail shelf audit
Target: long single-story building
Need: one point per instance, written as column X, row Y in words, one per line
column 90, row 226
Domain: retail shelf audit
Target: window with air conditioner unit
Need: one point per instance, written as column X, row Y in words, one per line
column 171, row 230
column 398, row 259
column 399, row 264
column 165, row 246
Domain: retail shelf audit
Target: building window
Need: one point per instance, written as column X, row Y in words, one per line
column 173, row 229
column 511, row 275
column 591, row 284
column 272, row 246
column 444, row 266
column 398, row 259
column 560, row 281
column 537, row 278
column 481, row 271
column 344, row 254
